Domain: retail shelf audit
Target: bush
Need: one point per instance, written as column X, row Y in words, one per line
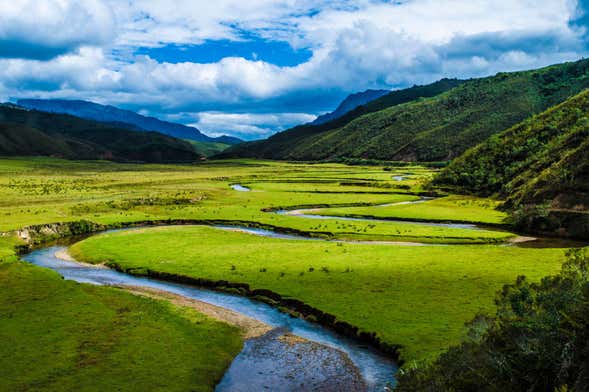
column 537, row 341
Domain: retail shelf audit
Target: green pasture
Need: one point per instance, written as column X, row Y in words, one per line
column 419, row 297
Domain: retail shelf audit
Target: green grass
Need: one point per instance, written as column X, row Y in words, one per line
column 48, row 190
column 57, row 335
column 451, row 208
column 419, row 297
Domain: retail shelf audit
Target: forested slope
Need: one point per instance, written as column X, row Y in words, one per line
column 540, row 167
column 30, row 132
column 438, row 128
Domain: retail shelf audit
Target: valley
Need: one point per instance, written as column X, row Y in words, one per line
column 403, row 277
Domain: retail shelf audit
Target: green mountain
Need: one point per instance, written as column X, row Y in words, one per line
column 208, row 149
column 123, row 118
column 540, row 167
column 30, row 132
column 437, row 128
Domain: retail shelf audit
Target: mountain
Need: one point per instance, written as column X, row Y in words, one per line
column 121, row 117
column 540, row 167
column 351, row 102
column 31, row 132
column 437, row 128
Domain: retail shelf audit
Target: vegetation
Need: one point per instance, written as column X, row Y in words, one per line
column 208, row 149
column 122, row 118
column 446, row 209
column 24, row 132
column 57, row 335
column 419, row 297
column 46, row 191
column 429, row 129
column 537, row 340
column 539, row 166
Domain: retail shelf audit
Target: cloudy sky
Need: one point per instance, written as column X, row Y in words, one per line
column 252, row 67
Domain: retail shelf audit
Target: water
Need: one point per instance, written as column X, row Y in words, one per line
column 376, row 369
column 240, row 188
column 304, row 214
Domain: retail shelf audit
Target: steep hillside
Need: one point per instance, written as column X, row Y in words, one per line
column 278, row 146
column 30, row 132
column 540, row 167
column 208, row 149
column 432, row 129
column 351, row 102
column 111, row 114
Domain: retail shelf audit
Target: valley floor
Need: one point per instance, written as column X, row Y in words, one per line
column 418, row 297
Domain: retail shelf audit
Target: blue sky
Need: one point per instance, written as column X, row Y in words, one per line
column 252, row 68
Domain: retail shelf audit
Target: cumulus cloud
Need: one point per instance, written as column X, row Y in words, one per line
column 248, row 124
column 45, row 29
column 76, row 50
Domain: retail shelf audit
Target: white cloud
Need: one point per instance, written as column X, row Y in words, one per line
column 247, row 124
column 47, row 28
column 355, row 44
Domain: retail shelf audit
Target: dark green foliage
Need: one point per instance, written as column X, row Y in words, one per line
column 298, row 134
column 25, row 132
column 429, row 129
column 208, row 149
column 537, row 341
column 540, row 167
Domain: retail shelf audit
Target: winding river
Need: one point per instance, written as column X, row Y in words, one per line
column 319, row 360
column 296, row 354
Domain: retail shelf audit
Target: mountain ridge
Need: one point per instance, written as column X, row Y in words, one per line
column 350, row 103
column 37, row 133
column 435, row 128
column 112, row 114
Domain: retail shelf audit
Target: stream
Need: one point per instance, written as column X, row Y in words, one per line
column 296, row 354
column 277, row 361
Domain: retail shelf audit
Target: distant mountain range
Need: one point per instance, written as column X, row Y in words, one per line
column 436, row 122
column 37, row 133
column 122, row 118
column 351, row 102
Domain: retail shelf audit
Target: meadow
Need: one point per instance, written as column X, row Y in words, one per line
column 418, row 297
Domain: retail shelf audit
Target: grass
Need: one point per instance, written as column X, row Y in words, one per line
column 48, row 190
column 419, row 297
column 450, row 208
column 57, row 335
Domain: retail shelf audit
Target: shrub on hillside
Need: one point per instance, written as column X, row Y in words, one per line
column 537, row 341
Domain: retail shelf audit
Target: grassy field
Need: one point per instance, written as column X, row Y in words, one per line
column 419, row 297
column 57, row 335
column 416, row 296
column 450, row 208
column 45, row 191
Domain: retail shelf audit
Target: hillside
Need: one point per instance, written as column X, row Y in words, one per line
column 278, row 146
column 351, row 102
column 433, row 129
column 30, row 132
column 208, row 149
column 540, row 167
column 111, row 114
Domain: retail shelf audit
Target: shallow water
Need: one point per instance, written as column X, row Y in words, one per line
column 376, row 369
column 240, row 188
column 304, row 214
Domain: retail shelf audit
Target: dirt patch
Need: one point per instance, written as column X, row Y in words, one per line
column 250, row 327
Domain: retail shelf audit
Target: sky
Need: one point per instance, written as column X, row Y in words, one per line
column 252, row 68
